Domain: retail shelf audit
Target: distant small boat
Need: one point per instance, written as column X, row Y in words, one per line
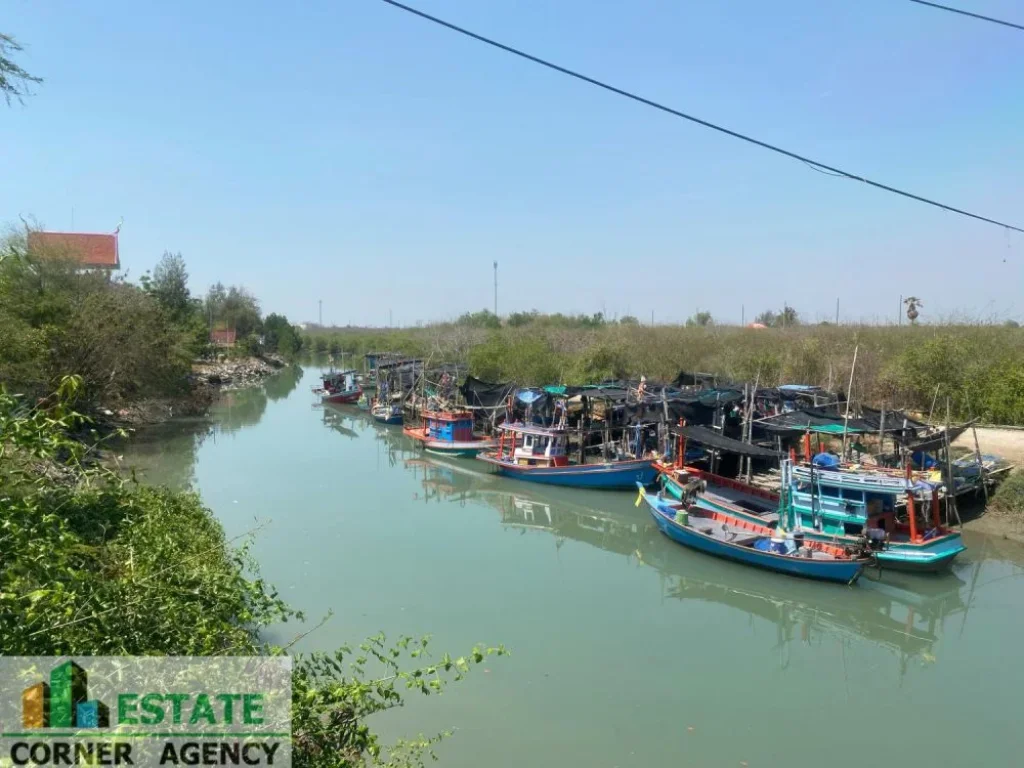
column 387, row 413
column 449, row 433
column 363, row 402
column 747, row 542
column 340, row 387
column 537, row 453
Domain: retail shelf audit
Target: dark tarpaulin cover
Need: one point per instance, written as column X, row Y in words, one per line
column 694, row 378
column 798, row 421
column 932, row 443
column 894, row 420
column 712, row 439
column 483, row 394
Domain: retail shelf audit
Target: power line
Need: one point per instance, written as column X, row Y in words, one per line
column 692, row 119
column 968, row 13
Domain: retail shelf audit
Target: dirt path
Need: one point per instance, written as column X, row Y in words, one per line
column 1008, row 443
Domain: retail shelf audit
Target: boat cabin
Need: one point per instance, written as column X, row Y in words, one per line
column 534, row 445
column 340, row 381
column 843, row 501
column 454, row 427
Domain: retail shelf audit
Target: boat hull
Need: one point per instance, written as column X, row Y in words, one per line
column 839, row 571
column 614, row 475
column 932, row 556
column 392, row 420
column 468, row 448
column 343, row 398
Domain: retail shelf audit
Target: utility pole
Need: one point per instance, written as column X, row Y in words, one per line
column 837, row 310
column 743, row 315
column 320, row 304
column 495, row 289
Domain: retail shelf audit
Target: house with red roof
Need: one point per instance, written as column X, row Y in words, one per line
column 90, row 250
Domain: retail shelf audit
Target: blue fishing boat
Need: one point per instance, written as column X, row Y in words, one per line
column 387, row 413
column 538, row 454
column 751, row 543
column 842, row 507
column 448, row 432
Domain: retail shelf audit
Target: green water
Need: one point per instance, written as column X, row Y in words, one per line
column 628, row 650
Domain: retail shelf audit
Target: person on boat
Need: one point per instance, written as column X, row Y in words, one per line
column 641, row 390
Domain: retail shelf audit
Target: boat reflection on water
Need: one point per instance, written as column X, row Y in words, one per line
column 342, row 420
column 903, row 613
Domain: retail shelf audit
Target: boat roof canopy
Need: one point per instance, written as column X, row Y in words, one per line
column 533, row 429
column 713, row 439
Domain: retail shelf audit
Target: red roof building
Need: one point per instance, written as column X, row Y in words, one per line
column 223, row 337
column 93, row 251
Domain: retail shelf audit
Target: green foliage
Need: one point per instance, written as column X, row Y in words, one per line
column 628, row 320
column 519, row 319
column 482, row 319
column 1009, row 496
column 233, row 307
column 15, row 82
column 281, row 336
column 57, row 319
column 699, row 320
column 787, row 317
column 96, row 566
column 526, row 359
column 169, row 286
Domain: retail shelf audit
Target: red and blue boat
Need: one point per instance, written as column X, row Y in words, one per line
column 744, row 541
column 340, row 387
column 449, row 433
column 538, row 454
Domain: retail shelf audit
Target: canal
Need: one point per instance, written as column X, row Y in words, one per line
column 627, row 650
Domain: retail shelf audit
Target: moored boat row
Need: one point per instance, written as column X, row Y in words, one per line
column 825, row 520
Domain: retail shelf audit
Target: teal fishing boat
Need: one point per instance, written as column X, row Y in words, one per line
column 900, row 516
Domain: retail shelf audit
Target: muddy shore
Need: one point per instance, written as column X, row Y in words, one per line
column 207, row 379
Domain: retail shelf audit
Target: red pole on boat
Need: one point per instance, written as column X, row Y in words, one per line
column 913, row 516
column 935, row 508
column 807, row 446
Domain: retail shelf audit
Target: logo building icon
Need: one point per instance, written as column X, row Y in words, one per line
column 63, row 702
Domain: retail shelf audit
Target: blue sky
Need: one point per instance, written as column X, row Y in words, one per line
column 350, row 152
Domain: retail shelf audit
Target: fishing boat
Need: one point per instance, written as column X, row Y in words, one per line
column 744, row 541
column 387, row 413
column 448, row 432
column 840, row 507
column 363, row 403
column 340, row 387
column 538, row 454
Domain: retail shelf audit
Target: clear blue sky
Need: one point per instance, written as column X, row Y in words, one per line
column 350, row 152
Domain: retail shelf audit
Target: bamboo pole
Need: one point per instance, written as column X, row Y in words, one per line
column 849, row 394
column 881, row 434
column 977, row 451
column 951, row 487
column 934, row 398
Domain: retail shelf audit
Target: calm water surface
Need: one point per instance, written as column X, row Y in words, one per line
column 627, row 649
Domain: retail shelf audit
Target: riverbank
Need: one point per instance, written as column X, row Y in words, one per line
column 207, row 379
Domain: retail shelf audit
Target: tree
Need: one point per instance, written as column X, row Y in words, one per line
column 14, row 81
column 233, row 307
column 280, row 336
column 700, row 320
column 628, row 320
column 786, row 318
column 169, row 285
column 482, row 319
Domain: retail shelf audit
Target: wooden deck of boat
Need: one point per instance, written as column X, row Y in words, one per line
column 731, row 534
column 735, row 496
